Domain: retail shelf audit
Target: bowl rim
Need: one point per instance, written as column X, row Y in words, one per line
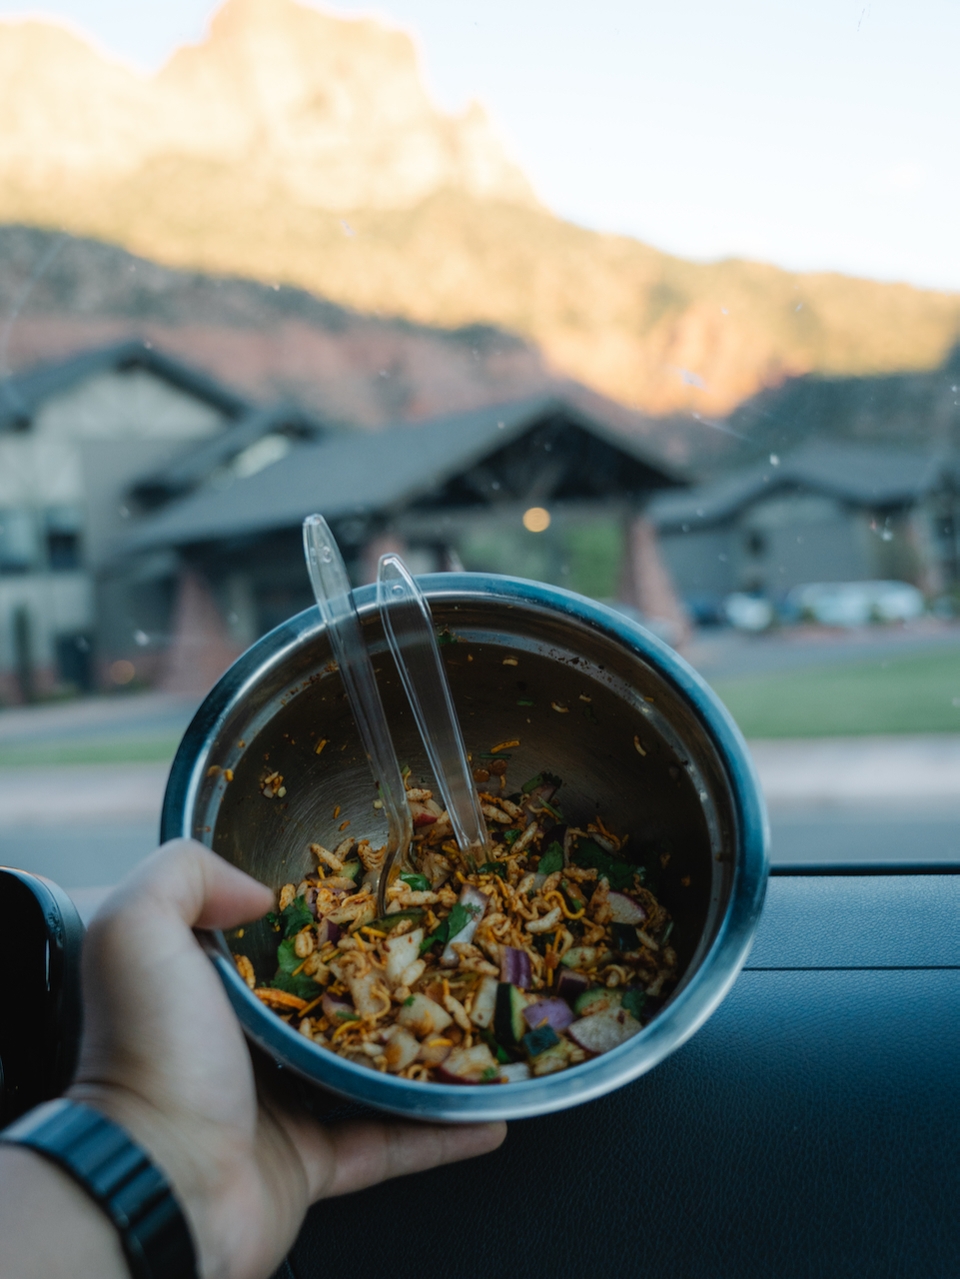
column 686, row 1012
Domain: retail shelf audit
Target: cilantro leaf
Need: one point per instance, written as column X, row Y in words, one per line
column 551, row 860
column 619, row 875
column 454, row 923
column 493, row 868
column 287, row 957
column 459, row 917
column 418, row 883
column 301, row 986
column 296, row 916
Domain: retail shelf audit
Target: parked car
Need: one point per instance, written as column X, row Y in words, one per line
column 854, row 603
column 749, row 612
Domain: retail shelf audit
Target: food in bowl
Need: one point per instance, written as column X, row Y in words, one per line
column 546, row 950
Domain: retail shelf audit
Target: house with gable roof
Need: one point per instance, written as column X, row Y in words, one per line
column 416, row 487
column 75, row 435
column 827, row 512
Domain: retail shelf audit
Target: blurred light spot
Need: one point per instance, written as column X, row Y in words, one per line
column 536, row 519
column 122, row 672
column 141, row 638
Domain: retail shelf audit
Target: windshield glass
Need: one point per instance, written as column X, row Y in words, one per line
column 656, row 304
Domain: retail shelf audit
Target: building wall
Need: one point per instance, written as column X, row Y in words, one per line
column 774, row 544
column 787, row 540
column 701, row 562
column 61, row 482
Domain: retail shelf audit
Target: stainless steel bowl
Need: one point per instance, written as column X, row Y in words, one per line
column 641, row 741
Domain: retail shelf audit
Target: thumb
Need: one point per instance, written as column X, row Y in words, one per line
column 186, row 880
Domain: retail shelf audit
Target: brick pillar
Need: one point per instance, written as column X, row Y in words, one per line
column 646, row 583
column 385, row 544
column 200, row 649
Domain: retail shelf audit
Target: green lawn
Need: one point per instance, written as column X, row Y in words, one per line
column 916, row 694
column 98, row 750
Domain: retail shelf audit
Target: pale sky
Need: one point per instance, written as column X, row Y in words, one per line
column 817, row 134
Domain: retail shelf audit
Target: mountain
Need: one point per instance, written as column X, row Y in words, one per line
column 920, row 409
column 300, row 149
column 63, row 294
column 330, row 113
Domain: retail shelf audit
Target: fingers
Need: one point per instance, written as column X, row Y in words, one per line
column 186, row 879
column 349, row 1157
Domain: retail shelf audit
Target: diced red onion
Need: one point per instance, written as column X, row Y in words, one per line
column 515, row 967
column 557, row 1012
column 470, row 896
column 337, row 1009
column 327, row 930
column 571, row 985
column 625, row 909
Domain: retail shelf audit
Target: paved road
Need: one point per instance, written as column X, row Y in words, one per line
column 725, row 653
column 845, row 799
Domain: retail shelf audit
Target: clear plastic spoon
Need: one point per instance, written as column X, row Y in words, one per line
column 331, row 586
column 408, row 624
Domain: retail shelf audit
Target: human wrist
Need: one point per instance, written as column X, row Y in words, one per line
column 162, row 1188
column 68, row 1235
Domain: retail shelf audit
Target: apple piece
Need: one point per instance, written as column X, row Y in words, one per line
column 423, row 1016
column 474, row 1065
column 402, row 1049
column 515, row 1072
column 401, row 953
column 484, row 1003
column 434, row 1050
column 604, row 1030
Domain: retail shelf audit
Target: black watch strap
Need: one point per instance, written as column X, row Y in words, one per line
column 120, row 1176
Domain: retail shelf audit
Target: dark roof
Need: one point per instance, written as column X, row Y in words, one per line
column 384, row 472
column 22, row 394
column 189, row 470
column 860, row 475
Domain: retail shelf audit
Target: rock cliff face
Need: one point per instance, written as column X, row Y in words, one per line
column 297, row 148
column 330, row 111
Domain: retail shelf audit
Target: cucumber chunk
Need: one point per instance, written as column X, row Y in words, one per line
column 596, row 1000
column 509, row 1024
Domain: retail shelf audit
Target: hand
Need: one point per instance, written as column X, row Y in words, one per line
column 163, row 1055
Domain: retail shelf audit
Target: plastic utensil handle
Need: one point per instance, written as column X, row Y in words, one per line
column 408, row 624
column 331, row 586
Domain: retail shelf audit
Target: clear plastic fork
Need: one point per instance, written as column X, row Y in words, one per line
column 331, row 586
column 408, row 625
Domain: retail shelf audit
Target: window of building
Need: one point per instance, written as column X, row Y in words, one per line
column 64, row 543
column 18, row 541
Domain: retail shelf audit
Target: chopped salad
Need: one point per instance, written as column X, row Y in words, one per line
column 543, row 951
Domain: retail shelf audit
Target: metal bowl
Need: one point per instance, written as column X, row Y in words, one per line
column 633, row 731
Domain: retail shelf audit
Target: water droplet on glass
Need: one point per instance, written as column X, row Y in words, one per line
column 326, row 555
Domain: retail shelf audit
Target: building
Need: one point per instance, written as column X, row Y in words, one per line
column 466, row 487
column 825, row 513
column 74, row 437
